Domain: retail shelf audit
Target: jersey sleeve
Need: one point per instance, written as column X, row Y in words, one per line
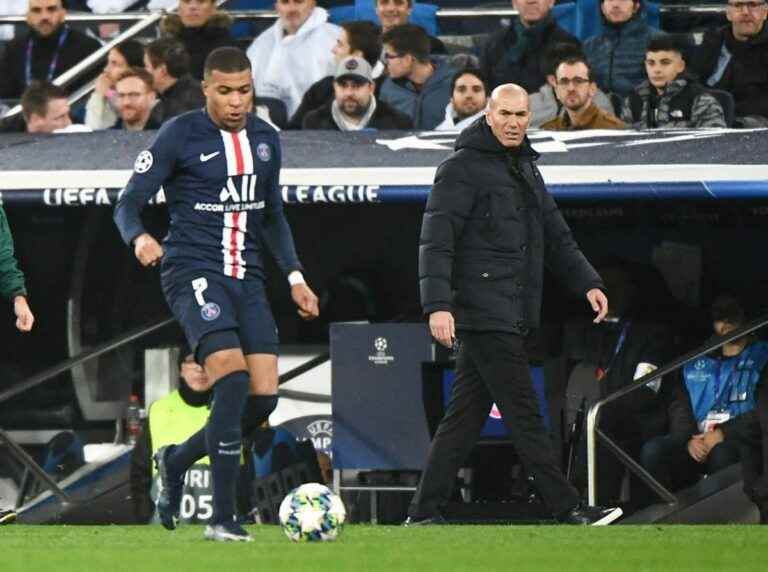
column 153, row 167
column 275, row 230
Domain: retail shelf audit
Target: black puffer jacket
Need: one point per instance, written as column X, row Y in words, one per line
column 201, row 41
column 489, row 228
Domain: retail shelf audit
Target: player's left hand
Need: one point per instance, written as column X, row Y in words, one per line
column 306, row 301
column 24, row 317
column 599, row 303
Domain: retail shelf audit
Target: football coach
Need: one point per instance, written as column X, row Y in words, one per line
column 489, row 228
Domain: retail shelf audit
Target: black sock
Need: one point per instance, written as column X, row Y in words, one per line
column 256, row 412
column 223, row 439
column 184, row 455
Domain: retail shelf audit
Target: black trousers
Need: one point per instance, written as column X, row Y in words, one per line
column 491, row 366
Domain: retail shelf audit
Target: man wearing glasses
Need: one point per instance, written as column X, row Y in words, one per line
column 575, row 90
column 735, row 58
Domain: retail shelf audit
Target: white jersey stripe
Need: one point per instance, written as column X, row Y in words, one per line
column 229, row 151
column 233, row 243
column 245, row 147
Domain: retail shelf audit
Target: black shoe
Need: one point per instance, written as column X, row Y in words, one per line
column 7, row 516
column 591, row 515
column 170, row 491
column 438, row 520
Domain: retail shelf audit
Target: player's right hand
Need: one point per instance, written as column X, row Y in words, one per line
column 442, row 327
column 147, row 250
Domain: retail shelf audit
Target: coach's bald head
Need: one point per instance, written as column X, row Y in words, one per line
column 508, row 114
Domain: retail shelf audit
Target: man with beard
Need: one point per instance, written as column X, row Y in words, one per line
column 355, row 106
column 136, row 98
column 393, row 13
column 735, row 58
column 468, row 98
column 47, row 51
column 575, row 89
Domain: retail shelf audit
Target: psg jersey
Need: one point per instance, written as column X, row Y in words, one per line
column 223, row 196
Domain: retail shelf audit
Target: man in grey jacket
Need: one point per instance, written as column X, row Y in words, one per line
column 417, row 85
column 489, row 228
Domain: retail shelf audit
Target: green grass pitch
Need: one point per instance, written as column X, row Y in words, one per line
column 361, row 548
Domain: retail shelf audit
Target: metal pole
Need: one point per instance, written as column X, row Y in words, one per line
column 22, row 456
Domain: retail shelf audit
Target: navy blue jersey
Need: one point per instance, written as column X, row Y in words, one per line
column 223, row 195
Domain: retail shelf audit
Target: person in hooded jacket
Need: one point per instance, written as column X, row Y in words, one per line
column 293, row 53
column 202, row 28
column 489, row 228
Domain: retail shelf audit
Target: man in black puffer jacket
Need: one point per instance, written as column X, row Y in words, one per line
column 489, row 228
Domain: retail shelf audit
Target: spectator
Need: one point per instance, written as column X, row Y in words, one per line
column 544, row 103
column 137, row 98
column 171, row 419
column 168, row 63
column 393, row 13
column 468, row 99
column 361, row 39
column 45, row 108
column 735, row 58
column 49, row 49
column 101, row 109
column 719, row 388
column 617, row 55
column 670, row 98
column 575, row 90
column 201, row 28
column 354, row 106
column 515, row 54
column 418, row 86
column 293, row 53
column 750, row 432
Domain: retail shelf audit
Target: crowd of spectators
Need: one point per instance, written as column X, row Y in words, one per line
column 636, row 74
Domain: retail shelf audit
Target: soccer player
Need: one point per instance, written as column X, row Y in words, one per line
column 219, row 168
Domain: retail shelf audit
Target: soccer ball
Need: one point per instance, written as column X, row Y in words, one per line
column 312, row 513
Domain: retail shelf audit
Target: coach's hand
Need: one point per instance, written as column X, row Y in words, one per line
column 147, row 250
column 599, row 304
column 442, row 327
column 24, row 316
column 306, row 301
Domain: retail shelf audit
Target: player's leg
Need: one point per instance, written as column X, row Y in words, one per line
column 262, row 398
column 223, row 437
column 260, row 345
column 455, row 436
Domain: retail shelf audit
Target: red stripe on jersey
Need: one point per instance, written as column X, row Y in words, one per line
column 233, row 238
column 238, row 154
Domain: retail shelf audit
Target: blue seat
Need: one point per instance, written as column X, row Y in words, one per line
column 424, row 15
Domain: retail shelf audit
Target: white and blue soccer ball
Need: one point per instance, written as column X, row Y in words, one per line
column 312, row 513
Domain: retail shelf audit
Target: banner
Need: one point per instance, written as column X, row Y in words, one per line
column 323, row 167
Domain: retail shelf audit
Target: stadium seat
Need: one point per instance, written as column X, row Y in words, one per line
column 277, row 110
column 725, row 99
column 424, row 15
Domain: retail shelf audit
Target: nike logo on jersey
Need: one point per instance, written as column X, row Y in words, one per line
column 222, row 444
column 204, row 157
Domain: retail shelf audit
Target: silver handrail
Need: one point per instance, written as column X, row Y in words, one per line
column 593, row 417
column 93, row 59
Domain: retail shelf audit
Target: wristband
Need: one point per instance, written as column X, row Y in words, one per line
column 295, row 278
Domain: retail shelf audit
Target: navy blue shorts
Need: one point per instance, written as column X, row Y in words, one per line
column 205, row 303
